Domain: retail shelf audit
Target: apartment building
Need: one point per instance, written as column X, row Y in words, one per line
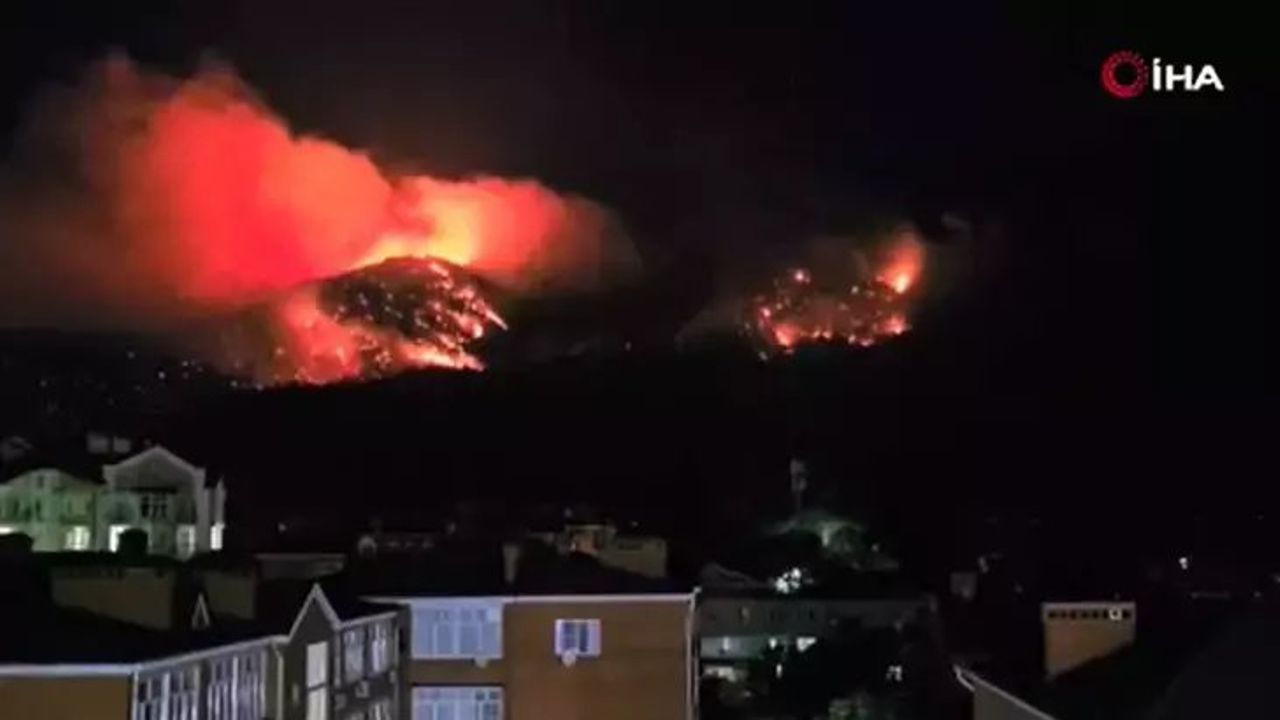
column 298, row 655
column 554, row 637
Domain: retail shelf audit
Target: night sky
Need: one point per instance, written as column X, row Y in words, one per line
column 1126, row 281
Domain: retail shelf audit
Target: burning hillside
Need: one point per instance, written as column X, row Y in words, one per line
column 797, row 311
column 373, row 322
column 859, row 302
column 162, row 204
column 843, row 290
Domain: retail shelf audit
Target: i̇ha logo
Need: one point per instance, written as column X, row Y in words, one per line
column 1125, row 75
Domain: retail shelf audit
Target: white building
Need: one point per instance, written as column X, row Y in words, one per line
column 152, row 490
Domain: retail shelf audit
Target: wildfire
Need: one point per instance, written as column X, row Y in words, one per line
column 373, row 322
column 799, row 309
column 194, row 203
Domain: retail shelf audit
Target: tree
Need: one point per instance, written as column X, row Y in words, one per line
column 134, row 543
column 16, row 544
column 804, row 683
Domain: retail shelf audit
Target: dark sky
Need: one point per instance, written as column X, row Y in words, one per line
column 715, row 124
column 1120, row 340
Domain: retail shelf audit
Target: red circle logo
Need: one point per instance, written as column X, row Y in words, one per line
column 1124, row 59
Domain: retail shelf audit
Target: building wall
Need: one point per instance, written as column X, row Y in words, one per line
column 799, row 616
column 144, row 596
column 64, row 698
column 344, row 698
column 193, row 503
column 360, row 695
column 313, row 627
column 458, row 672
column 643, row 556
column 230, row 593
column 644, row 670
column 45, row 504
column 1075, row 633
column 238, row 676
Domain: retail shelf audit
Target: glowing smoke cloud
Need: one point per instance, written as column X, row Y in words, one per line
column 141, row 202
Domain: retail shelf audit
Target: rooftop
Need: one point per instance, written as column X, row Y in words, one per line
column 1204, row 666
column 41, row 634
column 478, row 570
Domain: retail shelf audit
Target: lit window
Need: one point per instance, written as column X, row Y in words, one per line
column 317, row 704
column 184, row 694
column 379, row 648
column 804, row 643
column 221, row 693
column 114, row 533
column 353, row 654
column 154, row 507
column 77, row 537
column 317, row 664
column 318, row 681
column 381, row 710
column 149, row 697
column 250, row 686
column 460, row 703
column 186, row 541
column 470, row 631
column 215, row 535
column 579, row 638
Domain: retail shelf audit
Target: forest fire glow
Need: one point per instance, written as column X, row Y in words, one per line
column 800, row 308
column 372, row 322
column 186, row 200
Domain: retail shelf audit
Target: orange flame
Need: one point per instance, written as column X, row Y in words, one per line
column 215, row 206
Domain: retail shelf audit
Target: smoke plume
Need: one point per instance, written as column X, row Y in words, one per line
column 135, row 201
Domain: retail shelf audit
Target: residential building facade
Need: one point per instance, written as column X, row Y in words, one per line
column 734, row 629
column 1078, row 632
column 345, row 666
column 624, row 657
column 153, row 490
column 55, row 509
column 327, row 664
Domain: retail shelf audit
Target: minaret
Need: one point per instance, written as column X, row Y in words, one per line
column 799, row 481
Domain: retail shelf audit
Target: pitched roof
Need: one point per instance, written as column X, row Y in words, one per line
column 73, row 457
column 38, row 633
column 280, row 602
